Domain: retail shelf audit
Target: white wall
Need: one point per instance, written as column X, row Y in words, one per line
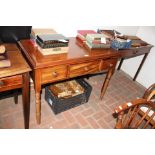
column 146, row 76
column 70, row 15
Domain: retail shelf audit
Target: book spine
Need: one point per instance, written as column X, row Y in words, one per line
column 59, row 50
column 53, row 49
column 93, row 41
column 80, row 39
column 81, row 36
column 90, row 45
column 38, row 38
column 90, row 37
column 52, row 41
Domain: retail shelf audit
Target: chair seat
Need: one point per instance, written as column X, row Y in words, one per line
column 144, row 109
column 139, row 113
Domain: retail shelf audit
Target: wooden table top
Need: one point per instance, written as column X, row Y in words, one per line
column 18, row 63
column 76, row 53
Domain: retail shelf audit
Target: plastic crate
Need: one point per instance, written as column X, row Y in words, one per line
column 60, row 104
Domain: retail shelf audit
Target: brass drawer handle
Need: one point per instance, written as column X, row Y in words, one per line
column 1, row 83
column 55, row 74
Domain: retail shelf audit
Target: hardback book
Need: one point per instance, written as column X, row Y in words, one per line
column 109, row 33
column 97, row 46
column 4, row 60
column 95, row 36
column 50, row 51
column 52, row 38
column 43, row 31
column 94, row 41
column 52, row 44
column 82, row 33
column 98, row 41
column 80, row 40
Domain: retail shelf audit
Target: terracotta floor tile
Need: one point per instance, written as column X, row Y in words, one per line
column 94, row 114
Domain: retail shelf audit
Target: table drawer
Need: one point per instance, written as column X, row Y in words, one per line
column 140, row 51
column 53, row 73
column 84, row 68
column 134, row 52
column 108, row 63
column 10, row 82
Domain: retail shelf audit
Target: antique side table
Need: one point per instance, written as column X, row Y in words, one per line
column 17, row 76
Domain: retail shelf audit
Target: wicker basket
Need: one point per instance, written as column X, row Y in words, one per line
column 61, row 104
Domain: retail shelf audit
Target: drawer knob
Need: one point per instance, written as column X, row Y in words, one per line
column 55, row 74
column 111, row 65
column 1, row 83
column 86, row 68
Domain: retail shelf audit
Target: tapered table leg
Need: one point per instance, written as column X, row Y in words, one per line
column 26, row 99
column 140, row 66
column 37, row 85
column 120, row 64
column 106, row 82
column 38, row 107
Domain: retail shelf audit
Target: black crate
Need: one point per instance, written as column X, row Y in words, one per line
column 59, row 105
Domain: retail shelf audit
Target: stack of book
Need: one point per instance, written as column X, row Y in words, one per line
column 97, row 40
column 81, row 35
column 52, row 44
column 4, row 60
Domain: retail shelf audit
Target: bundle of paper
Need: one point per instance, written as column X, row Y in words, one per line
column 121, row 43
column 66, row 89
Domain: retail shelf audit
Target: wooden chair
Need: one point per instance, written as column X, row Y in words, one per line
column 150, row 93
column 139, row 113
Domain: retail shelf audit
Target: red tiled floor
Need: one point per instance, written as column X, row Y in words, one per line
column 94, row 114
